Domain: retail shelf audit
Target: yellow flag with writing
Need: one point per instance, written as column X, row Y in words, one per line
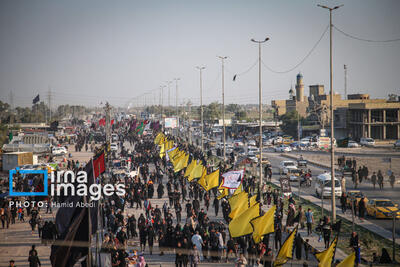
column 286, row 251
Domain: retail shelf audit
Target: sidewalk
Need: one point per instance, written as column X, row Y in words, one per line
column 365, row 224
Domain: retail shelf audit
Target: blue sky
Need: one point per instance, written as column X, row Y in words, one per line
column 90, row 51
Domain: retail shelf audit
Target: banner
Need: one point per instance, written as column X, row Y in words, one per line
column 232, row 179
column 170, row 123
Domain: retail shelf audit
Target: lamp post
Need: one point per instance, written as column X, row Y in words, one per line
column 260, row 109
column 176, row 106
column 169, row 97
column 201, row 106
column 223, row 105
column 331, row 109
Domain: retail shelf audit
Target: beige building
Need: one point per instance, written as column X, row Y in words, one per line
column 357, row 116
column 375, row 119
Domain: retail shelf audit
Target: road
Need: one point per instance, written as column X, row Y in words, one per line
column 365, row 187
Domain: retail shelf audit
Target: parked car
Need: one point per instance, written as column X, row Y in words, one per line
column 397, row 144
column 352, row 144
column 58, row 151
column 283, row 148
column 252, row 143
column 367, row 141
column 382, row 208
column 287, row 165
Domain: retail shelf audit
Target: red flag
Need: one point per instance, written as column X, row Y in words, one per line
column 102, row 122
column 99, row 165
column 112, row 122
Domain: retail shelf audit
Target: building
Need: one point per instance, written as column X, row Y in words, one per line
column 355, row 117
column 374, row 119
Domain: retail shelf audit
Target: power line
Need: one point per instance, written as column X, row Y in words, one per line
column 302, row 61
column 365, row 40
column 244, row 72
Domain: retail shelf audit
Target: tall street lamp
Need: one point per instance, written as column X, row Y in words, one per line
column 176, row 106
column 260, row 109
column 223, row 105
column 201, row 106
column 332, row 117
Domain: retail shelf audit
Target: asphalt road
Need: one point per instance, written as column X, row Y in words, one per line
column 365, row 187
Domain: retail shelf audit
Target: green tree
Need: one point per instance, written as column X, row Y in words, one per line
column 289, row 123
column 212, row 111
column 241, row 115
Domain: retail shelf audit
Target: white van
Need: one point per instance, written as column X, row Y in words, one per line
column 323, row 186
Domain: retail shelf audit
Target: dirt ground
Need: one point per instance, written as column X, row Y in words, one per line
column 373, row 163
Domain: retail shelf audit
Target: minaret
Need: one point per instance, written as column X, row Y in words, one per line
column 291, row 92
column 299, row 88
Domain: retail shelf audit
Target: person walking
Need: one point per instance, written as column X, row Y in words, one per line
column 326, row 231
column 33, row 258
column 373, row 179
column 380, row 179
column 392, row 180
column 343, row 202
column 309, row 220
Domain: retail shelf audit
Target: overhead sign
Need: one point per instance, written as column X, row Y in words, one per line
column 170, row 123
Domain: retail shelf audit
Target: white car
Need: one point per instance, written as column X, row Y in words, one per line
column 287, row 166
column 252, row 143
column 283, row 148
column 352, row 144
column 113, row 146
column 305, row 140
column 397, row 144
column 58, row 151
column 367, row 141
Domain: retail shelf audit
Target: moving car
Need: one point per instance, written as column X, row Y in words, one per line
column 382, row 208
column 294, row 175
column 252, row 143
column 283, row 148
column 323, row 186
column 367, row 141
column 286, row 166
column 352, row 144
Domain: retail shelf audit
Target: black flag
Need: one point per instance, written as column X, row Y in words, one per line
column 36, row 99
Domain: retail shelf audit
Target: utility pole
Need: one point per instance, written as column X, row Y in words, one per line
column 223, row 105
column 108, row 122
column 190, row 124
column 201, row 107
column 49, row 99
column 169, row 97
column 332, row 117
column 161, row 101
column 11, row 107
column 260, row 111
column 345, row 82
column 176, row 106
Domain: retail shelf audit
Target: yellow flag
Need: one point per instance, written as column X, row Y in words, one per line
column 325, row 257
column 223, row 192
column 197, row 172
column 240, row 207
column 178, row 157
column 349, row 261
column 172, row 152
column 182, row 163
column 263, row 225
column 286, row 251
column 163, row 140
column 190, row 168
column 240, row 225
column 238, row 190
column 162, row 150
column 212, row 179
column 202, row 180
column 252, row 200
column 235, row 201
column 158, row 138
column 169, row 145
